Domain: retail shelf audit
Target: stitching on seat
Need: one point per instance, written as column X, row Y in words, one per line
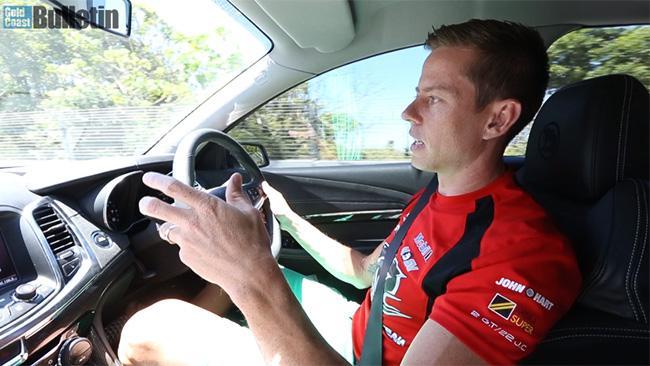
column 602, row 328
column 627, row 125
column 620, row 132
column 645, row 244
column 592, row 335
column 636, row 238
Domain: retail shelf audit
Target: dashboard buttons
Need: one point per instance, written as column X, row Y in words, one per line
column 66, row 255
column 5, row 317
column 253, row 193
column 75, row 351
column 44, row 291
column 69, row 261
column 70, row 267
column 19, row 308
column 25, row 292
column 101, row 239
column 5, row 300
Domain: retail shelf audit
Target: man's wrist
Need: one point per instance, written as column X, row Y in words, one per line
column 255, row 286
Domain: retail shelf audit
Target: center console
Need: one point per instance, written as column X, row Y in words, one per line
column 54, row 265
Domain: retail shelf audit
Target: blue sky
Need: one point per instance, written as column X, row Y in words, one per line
column 374, row 92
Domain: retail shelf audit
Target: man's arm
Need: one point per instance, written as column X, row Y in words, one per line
column 283, row 332
column 226, row 243
column 435, row 345
column 343, row 262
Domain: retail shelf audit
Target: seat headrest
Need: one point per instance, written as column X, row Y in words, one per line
column 588, row 136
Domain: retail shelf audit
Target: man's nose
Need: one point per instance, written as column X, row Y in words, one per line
column 410, row 113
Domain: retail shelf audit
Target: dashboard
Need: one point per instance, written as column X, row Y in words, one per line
column 72, row 240
column 65, row 243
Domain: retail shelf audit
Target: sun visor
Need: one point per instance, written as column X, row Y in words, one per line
column 325, row 25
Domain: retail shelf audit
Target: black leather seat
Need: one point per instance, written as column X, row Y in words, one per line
column 587, row 164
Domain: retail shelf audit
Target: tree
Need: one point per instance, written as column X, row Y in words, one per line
column 592, row 52
column 98, row 75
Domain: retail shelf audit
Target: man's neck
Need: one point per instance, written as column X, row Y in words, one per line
column 471, row 178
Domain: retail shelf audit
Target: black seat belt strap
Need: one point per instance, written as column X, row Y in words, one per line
column 371, row 353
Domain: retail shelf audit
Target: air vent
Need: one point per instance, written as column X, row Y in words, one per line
column 55, row 231
column 60, row 239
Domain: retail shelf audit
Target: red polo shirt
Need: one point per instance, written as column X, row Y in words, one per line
column 489, row 266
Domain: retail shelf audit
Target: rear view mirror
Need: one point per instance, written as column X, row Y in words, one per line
column 257, row 152
column 113, row 16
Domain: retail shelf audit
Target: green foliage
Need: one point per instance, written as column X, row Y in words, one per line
column 594, row 52
column 84, row 70
column 90, row 69
column 289, row 127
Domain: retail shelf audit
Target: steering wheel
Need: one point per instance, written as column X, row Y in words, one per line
column 184, row 170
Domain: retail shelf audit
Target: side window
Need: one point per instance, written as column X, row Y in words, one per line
column 348, row 114
column 591, row 52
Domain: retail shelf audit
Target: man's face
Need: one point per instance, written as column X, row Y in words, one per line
column 445, row 123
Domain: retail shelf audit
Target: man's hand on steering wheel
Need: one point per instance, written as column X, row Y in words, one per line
column 222, row 241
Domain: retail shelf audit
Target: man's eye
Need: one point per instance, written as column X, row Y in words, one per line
column 433, row 100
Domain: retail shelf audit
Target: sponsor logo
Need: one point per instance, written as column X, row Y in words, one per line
column 423, row 246
column 393, row 336
column 511, row 285
column 409, row 261
column 502, row 306
column 530, row 292
column 521, row 323
column 500, row 331
column 521, row 288
column 538, row 298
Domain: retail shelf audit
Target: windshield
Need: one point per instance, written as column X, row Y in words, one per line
column 84, row 94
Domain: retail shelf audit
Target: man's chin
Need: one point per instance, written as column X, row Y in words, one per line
column 418, row 165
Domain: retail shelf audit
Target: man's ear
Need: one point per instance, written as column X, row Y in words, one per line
column 504, row 113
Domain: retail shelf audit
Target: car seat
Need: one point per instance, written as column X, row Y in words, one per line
column 587, row 165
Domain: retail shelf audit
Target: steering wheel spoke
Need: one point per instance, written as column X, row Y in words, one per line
column 252, row 191
column 184, row 170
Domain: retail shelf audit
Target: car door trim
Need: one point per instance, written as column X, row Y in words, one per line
column 354, row 216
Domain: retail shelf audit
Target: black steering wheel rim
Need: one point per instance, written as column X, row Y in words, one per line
column 185, row 158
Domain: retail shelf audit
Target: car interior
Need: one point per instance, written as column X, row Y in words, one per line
column 77, row 258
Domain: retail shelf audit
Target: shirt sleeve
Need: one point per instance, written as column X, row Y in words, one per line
column 510, row 298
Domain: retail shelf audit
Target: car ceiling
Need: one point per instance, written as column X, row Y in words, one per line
column 383, row 25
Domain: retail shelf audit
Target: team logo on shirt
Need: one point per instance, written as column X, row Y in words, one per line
column 394, row 278
column 502, row 306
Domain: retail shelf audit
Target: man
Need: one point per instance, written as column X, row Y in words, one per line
column 480, row 276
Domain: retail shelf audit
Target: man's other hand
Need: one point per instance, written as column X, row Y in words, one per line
column 279, row 204
column 226, row 243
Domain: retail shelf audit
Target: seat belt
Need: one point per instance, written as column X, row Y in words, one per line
column 371, row 353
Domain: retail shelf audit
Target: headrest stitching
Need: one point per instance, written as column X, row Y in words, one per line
column 636, row 330
column 620, row 132
column 636, row 239
column 645, row 243
column 549, row 340
column 627, row 122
